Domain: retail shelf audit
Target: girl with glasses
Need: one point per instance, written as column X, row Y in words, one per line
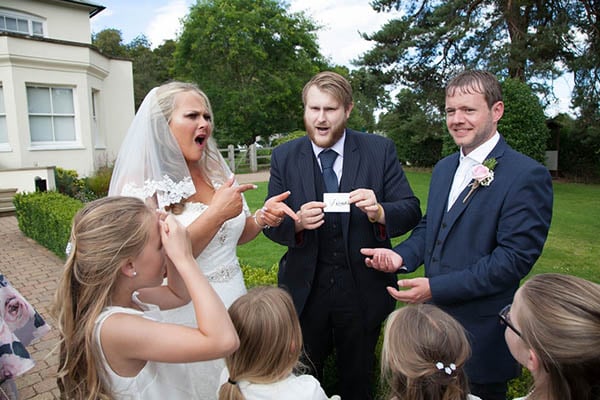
column 553, row 329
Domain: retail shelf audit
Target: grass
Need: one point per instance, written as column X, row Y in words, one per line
column 571, row 247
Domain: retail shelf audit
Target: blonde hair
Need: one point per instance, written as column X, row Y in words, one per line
column 416, row 339
column 212, row 164
column 559, row 319
column 332, row 83
column 270, row 339
column 104, row 235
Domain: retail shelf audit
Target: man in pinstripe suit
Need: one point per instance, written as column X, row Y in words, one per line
column 341, row 303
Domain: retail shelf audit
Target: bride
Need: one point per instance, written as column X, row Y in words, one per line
column 170, row 159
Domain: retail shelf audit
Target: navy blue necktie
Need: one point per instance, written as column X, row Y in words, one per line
column 327, row 158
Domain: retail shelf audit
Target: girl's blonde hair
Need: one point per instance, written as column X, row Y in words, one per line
column 270, row 339
column 559, row 319
column 105, row 234
column 423, row 356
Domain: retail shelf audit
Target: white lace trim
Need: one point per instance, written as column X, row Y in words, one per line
column 167, row 191
column 224, row 273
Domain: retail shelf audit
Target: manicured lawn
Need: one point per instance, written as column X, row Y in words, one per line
column 572, row 246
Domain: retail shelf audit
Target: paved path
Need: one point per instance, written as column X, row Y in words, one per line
column 34, row 271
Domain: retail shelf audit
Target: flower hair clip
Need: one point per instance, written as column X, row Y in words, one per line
column 448, row 369
column 483, row 175
column 68, row 249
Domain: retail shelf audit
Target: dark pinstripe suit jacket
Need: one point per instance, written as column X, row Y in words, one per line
column 370, row 162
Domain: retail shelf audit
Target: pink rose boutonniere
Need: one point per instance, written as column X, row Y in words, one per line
column 483, row 175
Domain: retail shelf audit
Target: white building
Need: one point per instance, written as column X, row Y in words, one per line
column 62, row 102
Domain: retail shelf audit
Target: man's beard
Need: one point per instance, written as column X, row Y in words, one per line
column 335, row 134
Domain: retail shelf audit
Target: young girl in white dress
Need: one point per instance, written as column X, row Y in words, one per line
column 113, row 343
column 270, row 346
column 423, row 356
column 553, row 330
column 170, row 159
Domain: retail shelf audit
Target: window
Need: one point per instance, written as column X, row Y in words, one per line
column 21, row 23
column 98, row 134
column 3, row 129
column 51, row 115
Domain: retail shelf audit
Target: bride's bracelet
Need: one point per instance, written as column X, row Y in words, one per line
column 265, row 226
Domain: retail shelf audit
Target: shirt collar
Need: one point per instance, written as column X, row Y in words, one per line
column 484, row 149
column 338, row 147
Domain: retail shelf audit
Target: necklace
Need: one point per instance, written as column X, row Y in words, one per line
column 530, row 393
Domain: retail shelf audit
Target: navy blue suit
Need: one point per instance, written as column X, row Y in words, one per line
column 476, row 253
column 370, row 162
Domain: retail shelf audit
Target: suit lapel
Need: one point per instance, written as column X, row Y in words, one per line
column 459, row 206
column 349, row 173
column 439, row 192
column 306, row 170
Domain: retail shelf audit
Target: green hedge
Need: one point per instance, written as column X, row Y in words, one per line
column 46, row 218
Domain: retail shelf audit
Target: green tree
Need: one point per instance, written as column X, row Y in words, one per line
column 150, row 67
column 523, row 124
column 110, row 42
column 369, row 96
column 417, row 134
column 533, row 41
column 252, row 59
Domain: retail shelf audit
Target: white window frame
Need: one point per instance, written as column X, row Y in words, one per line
column 97, row 132
column 55, row 144
column 4, row 145
column 23, row 17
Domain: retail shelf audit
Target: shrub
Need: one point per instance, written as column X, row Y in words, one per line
column 523, row 123
column 67, row 181
column 99, row 182
column 46, row 218
column 259, row 276
column 288, row 137
column 87, row 189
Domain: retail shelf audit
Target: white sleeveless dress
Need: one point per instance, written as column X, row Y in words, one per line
column 220, row 265
column 156, row 381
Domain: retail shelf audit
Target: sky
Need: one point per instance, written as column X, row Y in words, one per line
column 339, row 38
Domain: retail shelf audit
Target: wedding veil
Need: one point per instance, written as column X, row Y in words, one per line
column 150, row 162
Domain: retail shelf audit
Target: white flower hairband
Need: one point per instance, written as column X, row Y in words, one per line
column 68, row 249
column 448, row 369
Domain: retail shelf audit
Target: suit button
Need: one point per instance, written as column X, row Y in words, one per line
column 331, row 281
column 438, row 242
column 434, row 259
column 444, row 225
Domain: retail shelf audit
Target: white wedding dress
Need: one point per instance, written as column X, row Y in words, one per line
column 220, row 265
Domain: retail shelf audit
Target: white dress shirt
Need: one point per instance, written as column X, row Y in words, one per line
column 463, row 175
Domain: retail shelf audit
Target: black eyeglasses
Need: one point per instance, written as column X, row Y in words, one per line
column 504, row 316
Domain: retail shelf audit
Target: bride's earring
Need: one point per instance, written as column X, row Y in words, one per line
column 134, row 274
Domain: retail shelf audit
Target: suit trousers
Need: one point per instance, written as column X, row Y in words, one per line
column 333, row 319
column 489, row 391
